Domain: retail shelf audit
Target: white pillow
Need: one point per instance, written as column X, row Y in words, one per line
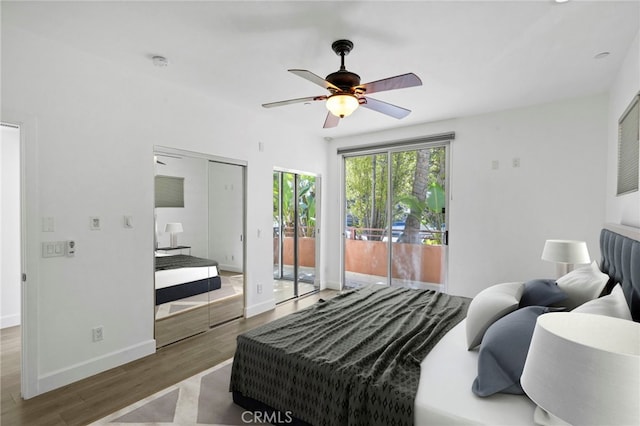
column 582, row 284
column 613, row 305
column 488, row 306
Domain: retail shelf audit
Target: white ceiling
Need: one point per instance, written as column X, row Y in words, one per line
column 472, row 56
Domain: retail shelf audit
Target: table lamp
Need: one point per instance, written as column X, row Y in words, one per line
column 584, row 369
column 174, row 229
column 565, row 253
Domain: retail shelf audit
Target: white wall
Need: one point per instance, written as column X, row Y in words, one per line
column 499, row 219
column 226, row 202
column 97, row 124
column 10, row 227
column 624, row 209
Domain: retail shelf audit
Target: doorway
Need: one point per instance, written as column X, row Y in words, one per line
column 296, row 204
column 199, row 242
column 395, row 217
column 13, row 243
column 10, row 225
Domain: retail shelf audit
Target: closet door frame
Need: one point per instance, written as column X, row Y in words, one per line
column 157, row 149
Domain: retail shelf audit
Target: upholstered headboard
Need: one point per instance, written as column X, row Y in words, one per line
column 620, row 248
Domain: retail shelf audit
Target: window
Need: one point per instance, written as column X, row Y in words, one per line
column 169, row 191
column 628, row 148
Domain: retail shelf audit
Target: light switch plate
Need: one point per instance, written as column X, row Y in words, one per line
column 53, row 248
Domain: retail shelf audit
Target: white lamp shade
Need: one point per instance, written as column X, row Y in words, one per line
column 585, row 369
column 173, row 227
column 342, row 105
column 566, row 251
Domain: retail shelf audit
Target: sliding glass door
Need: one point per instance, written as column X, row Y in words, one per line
column 366, row 221
column 395, row 217
column 295, row 203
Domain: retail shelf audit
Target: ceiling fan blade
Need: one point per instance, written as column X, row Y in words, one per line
column 331, row 121
column 308, row 75
column 385, row 108
column 295, row 101
column 391, row 83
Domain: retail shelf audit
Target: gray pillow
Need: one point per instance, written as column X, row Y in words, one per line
column 503, row 352
column 541, row 292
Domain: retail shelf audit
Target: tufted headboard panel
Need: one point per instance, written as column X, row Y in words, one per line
column 621, row 261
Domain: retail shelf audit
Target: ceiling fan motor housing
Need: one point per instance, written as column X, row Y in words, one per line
column 344, row 79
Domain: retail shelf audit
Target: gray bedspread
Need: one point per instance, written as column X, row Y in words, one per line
column 182, row 261
column 353, row 359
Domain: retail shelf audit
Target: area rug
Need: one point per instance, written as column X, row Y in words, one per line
column 203, row 399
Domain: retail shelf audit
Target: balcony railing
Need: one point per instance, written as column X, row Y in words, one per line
column 380, row 234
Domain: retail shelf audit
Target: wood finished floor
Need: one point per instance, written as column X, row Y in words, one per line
column 90, row 399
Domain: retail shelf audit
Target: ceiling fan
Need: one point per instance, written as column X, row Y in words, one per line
column 346, row 92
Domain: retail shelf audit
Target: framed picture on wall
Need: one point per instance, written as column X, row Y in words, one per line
column 629, row 147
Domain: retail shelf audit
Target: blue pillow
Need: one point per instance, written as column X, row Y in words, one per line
column 503, row 352
column 541, row 292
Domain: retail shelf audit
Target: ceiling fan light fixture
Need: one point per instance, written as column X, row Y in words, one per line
column 342, row 104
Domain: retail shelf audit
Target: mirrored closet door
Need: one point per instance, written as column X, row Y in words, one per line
column 199, row 242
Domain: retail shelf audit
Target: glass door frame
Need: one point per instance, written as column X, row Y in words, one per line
column 280, row 245
column 389, row 150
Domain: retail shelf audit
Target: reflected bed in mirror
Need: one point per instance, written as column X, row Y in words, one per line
column 186, row 282
column 191, row 298
column 180, row 276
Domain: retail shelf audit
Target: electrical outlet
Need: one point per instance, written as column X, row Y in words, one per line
column 259, row 288
column 97, row 334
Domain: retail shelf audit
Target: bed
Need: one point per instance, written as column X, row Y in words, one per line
column 315, row 366
column 179, row 276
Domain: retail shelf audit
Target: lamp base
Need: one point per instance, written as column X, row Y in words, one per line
column 173, row 242
column 563, row 269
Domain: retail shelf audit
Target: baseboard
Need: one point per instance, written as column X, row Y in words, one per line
column 230, row 268
column 94, row 366
column 331, row 285
column 9, row 321
column 250, row 311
